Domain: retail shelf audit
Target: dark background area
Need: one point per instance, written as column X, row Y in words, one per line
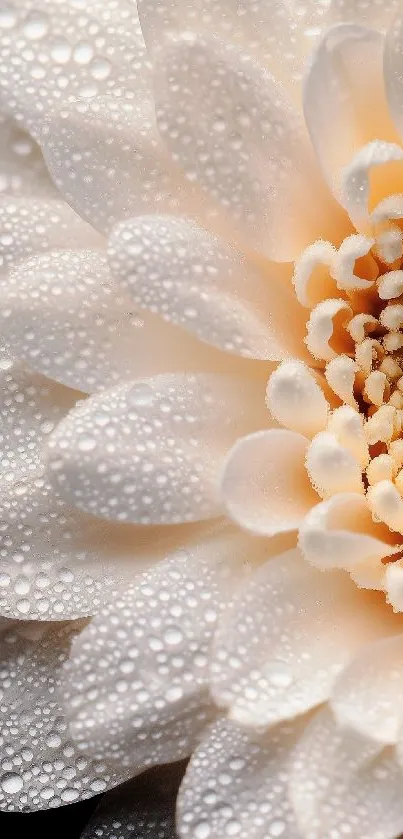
column 61, row 822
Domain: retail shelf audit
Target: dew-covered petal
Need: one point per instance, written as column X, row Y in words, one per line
column 332, row 467
column 40, row 767
column 149, row 451
column 30, row 408
column 264, row 484
column 296, row 400
column 374, row 173
column 236, row 784
column 360, row 789
column 344, row 87
column 289, row 631
column 55, row 51
column 144, row 657
column 22, row 168
column 63, row 313
column 106, row 158
column 193, row 279
column 229, row 126
column 30, row 225
column 57, row 563
column 341, row 533
column 143, row 808
column 368, row 694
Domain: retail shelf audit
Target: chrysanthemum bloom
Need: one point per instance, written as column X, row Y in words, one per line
column 202, row 411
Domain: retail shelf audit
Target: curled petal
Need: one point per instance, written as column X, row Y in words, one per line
column 264, row 483
column 340, row 533
column 375, row 172
column 296, row 400
column 312, row 279
column 332, row 468
column 326, row 335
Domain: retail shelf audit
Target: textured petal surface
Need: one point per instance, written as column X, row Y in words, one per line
column 359, row 793
column 149, row 451
column 136, row 686
column 56, row 51
column 264, row 483
column 344, row 87
column 141, row 809
column 108, row 161
column 229, row 126
column 287, row 635
column 236, row 785
column 62, row 312
column 367, row 695
column 57, row 563
column 30, row 408
column 197, row 281
column 40, row 766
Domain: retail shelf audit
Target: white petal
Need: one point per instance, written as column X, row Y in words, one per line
column 31, row 225
column 41, row 767
column 393, row 69
column 232, row 131
column 236, row 785
column 386, row 504
column 144, row 807
column 375, row 172
column 340, row 533
column 264, row 483
column 368, row 694
column 347, row 425
column 50, row 52
column 173, row 268
column 107, row 160
column 30, row 408
column 376, row 13
column 332, row 467
column 289, row 631
column 144, row 659
column 57, row 563
column 62, row 312
column 393, row 585
column 22, row 168
column 326, row 336
column 312, row 278
column 359, row 793
column 344, row 87
column 149, row 451
column 355, row 251
column 296, row 400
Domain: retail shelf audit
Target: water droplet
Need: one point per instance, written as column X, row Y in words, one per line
column 11, row 783
column 141, row 394
column 202, row 830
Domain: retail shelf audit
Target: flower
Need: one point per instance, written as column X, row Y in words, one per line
column 202, row 410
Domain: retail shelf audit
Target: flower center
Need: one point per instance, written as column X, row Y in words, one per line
column 355, row 337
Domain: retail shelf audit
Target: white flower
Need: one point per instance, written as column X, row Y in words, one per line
column 202, row 410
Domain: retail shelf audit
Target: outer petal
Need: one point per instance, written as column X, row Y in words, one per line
column 107, row 160
column 22, row 169
column 230, row 128
column 264, row 483
column 286, row 636
column 57, row 563
column 143, row 808
column 197, row 281
column 40, row 765
column 30, row 408
column 359, row 793
column 393, row 69
column 149, row 451
column 53, row 51
column 31, row 225
column 340, row 533
column 344, row 87
column 236, row 785
column 368, row 694
column 62, row 312
column 136, row 686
